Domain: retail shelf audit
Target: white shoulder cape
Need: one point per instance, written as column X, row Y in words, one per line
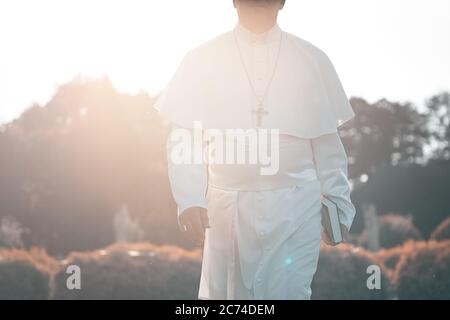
column 306, row 98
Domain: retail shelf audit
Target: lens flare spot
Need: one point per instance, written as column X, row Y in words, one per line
column 288, row 260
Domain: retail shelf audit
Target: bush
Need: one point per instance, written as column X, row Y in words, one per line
column 25, row 274
column 342, row 274
column 133, row 271
column 423, row 271
column 394, row 230
column 389, row 258
column 442, row 231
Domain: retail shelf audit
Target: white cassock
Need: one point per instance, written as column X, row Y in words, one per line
column 265, row 230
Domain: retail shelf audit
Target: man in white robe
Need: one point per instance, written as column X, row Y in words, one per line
column 261, row 233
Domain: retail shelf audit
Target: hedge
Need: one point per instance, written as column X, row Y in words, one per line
column 423, row 271
column 26, row 274
column 342, row 274
column 442, row 231
column 394, row 230
column 133, row 271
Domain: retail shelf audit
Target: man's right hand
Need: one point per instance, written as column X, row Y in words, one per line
column 195, row 220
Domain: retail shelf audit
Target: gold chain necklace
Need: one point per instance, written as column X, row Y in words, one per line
column 259, row 112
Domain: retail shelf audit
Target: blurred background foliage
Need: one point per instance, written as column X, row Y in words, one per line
column 88, row 169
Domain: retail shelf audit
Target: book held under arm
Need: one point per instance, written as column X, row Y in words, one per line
column 330, row 220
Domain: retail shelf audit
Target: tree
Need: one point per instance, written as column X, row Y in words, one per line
column 439, row 122
column 383, row 134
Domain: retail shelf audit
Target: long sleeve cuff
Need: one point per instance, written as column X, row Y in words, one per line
column 331, row 165
column 198, row 204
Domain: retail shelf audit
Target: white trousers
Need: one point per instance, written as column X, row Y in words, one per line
column 261, row 244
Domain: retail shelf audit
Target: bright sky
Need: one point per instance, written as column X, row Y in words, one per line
column 399, row 49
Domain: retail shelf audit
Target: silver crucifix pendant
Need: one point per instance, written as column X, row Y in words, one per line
column 259, row 112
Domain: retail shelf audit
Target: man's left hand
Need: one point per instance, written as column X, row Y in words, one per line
column 345, row 236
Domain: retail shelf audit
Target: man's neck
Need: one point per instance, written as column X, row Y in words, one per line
column 257, row 16
column 258, row 26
